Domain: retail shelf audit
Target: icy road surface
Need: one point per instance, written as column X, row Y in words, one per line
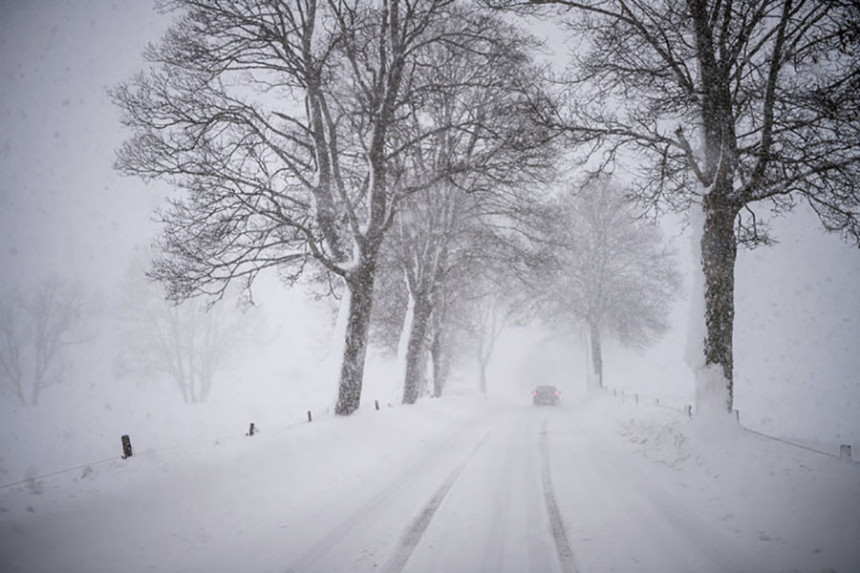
column 431, row 488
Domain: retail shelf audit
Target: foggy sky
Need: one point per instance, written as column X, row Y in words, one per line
column 63, row 210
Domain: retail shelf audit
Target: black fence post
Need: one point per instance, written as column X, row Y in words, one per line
column 310, row 418
column 376, row 402
column 251, row 429
column 126, row 447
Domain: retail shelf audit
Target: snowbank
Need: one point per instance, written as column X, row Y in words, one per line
column 799, row 509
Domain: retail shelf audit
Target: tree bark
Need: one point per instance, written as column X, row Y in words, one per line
column 719, row 252
column 596, row 353
column 440, row 363
column 415, row 349
column 360, row 291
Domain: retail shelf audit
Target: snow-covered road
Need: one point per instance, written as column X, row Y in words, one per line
column 437, row 487
column 541, row 493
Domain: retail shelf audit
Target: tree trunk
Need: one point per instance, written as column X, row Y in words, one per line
column 483, row 362
column 719, row 252
column 596, row 354
column 360, row 291
column 415, row 349
column 183, row 387
column 440, row 363
column 482, row 365
column 19, row 391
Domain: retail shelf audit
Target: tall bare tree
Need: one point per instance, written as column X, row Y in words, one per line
column 605, row 268
column 35, row 330
column 275, row 119
column 485, row 90
column 735, row 106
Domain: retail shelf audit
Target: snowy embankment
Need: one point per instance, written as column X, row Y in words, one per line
column 451, row 483
column 795, row 508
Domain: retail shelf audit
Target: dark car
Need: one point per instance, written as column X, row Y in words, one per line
column 545, row 395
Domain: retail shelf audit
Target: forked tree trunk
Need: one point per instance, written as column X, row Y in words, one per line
column 360, row 291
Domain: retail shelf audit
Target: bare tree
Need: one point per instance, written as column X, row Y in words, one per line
column 486, row 281
column 734, row 106
column 188, row 342
column 35, row 330
column 493, row 88
column 492, row 318
column 392, row 319
column 477, row 116
column 468, row 255
column 276, row 121
column 605, row 268
column 422, row 239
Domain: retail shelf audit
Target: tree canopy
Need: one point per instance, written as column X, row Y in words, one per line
column 291, row 130
column 719, row 107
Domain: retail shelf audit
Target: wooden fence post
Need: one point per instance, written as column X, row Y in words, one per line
column 251, row 430
column 126, row 447
column 310, row 418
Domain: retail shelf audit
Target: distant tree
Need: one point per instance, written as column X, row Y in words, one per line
column 470, row 254
column 188, row 342
column 728, row 108
column 487, row 94
column 442, row 340
column 491, row 318
column 451, row 293
column 277, row 121
column 429, row 232
column 487, row 281
column 607, row 269
column 35, row 330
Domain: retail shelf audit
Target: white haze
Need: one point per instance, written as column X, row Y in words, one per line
column 65, row 213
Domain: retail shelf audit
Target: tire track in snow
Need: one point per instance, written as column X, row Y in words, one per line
column 494, row 549
column 369, row 511
column 412, row 537
column 565, row 553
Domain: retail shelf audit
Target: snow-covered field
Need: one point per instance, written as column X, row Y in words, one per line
column 455, row 484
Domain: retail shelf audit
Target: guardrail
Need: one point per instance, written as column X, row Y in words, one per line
column 687, row 409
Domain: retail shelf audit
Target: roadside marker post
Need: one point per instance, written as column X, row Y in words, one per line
column 126, row 447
